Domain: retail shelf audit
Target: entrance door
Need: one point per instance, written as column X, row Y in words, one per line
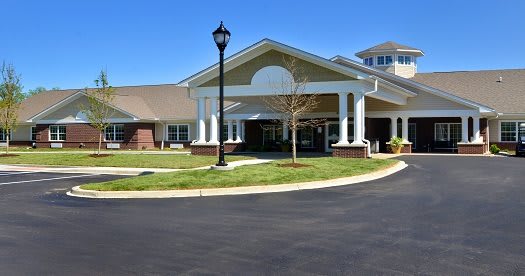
column 332, row 134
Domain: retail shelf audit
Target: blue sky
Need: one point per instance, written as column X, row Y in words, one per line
column 66, row 43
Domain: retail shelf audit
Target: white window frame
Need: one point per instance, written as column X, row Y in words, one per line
column 32, row 130
column 114, row 133
column 3, row 135
column 404, row 60
column 369, row 61
column 58, row 133
column 448, row 131
column 516, row 130
column 384, row 59
column 274, row 129
column 225, row 130
column 177, row 132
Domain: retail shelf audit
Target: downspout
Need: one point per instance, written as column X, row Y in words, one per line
column 368, row 149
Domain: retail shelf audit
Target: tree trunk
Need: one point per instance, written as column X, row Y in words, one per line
column 99, row 142
column 7, row 144
column 294, row 148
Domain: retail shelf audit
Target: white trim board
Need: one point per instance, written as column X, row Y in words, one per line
column 368, row 114
column 260, row 48
column 68, row 100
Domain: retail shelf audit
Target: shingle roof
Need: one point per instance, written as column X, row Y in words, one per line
column 484, row 87
column 167, row 101
column 388, row 46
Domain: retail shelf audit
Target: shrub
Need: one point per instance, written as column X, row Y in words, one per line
column 396, row 142
column 494, row 149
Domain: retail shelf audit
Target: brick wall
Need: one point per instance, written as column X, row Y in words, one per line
column 136, row 136
column 349, row 152
column 234, row 147
column 506, row 145
column 205, row 150
column 471, row 148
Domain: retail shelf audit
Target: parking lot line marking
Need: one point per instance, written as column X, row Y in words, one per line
column 47, row 179
column 4, row 174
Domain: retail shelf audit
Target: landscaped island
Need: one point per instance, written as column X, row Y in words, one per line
column 264, row 174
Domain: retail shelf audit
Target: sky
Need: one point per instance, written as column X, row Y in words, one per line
column 66, row 43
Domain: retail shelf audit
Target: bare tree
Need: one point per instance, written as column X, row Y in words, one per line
column 99, row 110
column 11, row 97
column 291, row 102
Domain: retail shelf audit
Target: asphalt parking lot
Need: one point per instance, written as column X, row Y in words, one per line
column 442, row 215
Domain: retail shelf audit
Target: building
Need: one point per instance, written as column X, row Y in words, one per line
column 372, row 100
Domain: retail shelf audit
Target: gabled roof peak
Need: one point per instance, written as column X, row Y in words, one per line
column 390, row 46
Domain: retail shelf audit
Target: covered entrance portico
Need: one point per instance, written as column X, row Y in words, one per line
column 357, row 107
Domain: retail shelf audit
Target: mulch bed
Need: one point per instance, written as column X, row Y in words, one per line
column 8, row 155
column 100, row 155
column 294, row 165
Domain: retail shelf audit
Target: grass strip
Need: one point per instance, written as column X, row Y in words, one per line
column 118, row 160
column 272, row 173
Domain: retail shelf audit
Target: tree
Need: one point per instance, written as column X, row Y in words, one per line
column 11, row 97
column 99, row 109
column 38, row 90
column 290, row 102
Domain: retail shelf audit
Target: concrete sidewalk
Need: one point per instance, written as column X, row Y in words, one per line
column 116, row 170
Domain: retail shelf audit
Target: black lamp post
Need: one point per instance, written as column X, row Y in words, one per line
column 221, row 37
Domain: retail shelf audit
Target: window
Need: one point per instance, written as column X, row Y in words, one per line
column 225, row 132
column 57, row 133
column 3, row 135
column 381, row 60
column 33, row 133
column 114, row 133
column 404, row 60
column 272, row 134
column 179, row 132
column 307, row 137
column 384, row 60
column 509, row 131
column 450, row 133
column 369, row 61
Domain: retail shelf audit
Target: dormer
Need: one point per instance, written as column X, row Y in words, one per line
column 393, row 58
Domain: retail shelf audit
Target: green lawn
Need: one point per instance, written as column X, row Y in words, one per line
column 117, row 160
column 263, row 174
column 86, row 149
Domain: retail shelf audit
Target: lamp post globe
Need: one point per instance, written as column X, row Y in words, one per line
column 221, row 37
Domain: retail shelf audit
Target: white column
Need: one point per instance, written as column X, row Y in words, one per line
column 393, row 127
column 475, row 129
column 201, row 114
column 238, row 138
column 464, row 129
column 213, row 120
column 358, row 118
column 243, row 133
column 230, row 131
column 343, row 118
column 404, row 128
column 285, row 131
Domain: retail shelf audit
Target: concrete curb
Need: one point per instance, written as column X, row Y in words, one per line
column 78, row 192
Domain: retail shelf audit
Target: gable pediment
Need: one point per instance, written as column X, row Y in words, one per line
column 243, row 73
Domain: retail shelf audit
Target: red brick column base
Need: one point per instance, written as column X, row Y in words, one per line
column 234, row 147
column 407, row 148
column 349, row 151
column 203, row 149
column 471, row 148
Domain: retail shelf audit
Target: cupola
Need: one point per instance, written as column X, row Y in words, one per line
column 393, row 58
